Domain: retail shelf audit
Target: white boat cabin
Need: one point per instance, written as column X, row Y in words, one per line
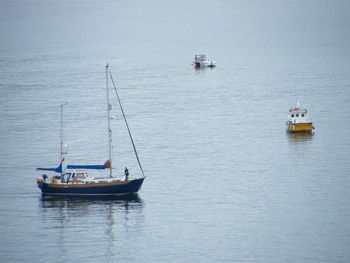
column 298, row 115
column 198, row 58
column 79, row 176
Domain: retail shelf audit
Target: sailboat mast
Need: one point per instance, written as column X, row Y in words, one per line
column 61, row 133
column 109, row 107
column 62, row 104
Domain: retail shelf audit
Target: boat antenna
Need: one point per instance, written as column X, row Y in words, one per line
column 126, row 123
column 109, row 108
column 61, row 160
column 299, row 102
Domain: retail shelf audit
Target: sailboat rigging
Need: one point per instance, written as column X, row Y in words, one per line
column 127, row 125
column 75, row 180
column 61, row 132
column 109, row 108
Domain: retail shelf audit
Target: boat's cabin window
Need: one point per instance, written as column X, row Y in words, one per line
column 302, row 115
column 80, row 175
column 70, row 175
column 200, row 57
column 77, row 175
column 292, row 115
column 296, row 115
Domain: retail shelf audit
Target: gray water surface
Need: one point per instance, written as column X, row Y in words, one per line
column 225, row 183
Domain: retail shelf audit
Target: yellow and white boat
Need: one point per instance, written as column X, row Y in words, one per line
column 299, row 120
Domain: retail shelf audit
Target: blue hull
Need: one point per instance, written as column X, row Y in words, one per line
column 132, row 186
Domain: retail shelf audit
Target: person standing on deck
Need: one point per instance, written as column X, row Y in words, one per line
column 126, row 171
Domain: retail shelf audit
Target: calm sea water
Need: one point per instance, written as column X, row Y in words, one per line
column 225, row 183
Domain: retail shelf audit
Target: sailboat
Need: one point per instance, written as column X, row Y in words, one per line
column 75, row 179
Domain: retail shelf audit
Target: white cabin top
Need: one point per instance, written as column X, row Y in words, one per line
column 298, row 114
column 200, row 57
column 80, row 174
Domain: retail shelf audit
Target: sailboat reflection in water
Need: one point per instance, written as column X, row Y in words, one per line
column 75, row 180
column 82, row 201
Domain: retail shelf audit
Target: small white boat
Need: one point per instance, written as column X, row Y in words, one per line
column 202, row 61
column 299, row 120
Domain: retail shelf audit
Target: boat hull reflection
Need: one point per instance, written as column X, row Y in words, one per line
column 134, row 197
column 299, row 137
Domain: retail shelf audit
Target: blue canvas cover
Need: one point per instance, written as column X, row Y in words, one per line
column 95, row 167
column 57, row 170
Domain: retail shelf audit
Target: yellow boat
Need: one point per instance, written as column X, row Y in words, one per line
column 299, row 120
